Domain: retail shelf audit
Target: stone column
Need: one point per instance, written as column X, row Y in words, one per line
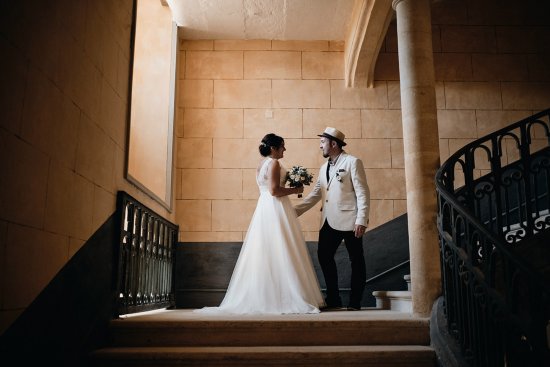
column 421, row 148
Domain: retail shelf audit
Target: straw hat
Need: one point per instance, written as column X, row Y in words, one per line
column 334, row 134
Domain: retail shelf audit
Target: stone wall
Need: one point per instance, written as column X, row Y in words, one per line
column 492, row 69
column 63, row 118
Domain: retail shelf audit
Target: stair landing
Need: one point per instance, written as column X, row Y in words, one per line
column 369, row 337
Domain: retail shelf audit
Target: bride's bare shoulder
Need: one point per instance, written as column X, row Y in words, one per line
column 274, row 165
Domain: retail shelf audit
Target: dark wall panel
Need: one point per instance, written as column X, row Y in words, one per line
column 203, row 270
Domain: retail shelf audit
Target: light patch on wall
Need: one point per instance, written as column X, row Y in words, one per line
column 151, row 136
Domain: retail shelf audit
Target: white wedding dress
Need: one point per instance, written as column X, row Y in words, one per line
column 274, row 273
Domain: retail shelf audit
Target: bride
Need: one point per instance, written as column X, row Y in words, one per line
column 274, row 273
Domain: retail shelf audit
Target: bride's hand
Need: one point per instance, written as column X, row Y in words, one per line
column 299, row 189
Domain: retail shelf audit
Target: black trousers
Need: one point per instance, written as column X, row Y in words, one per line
column 329, row 240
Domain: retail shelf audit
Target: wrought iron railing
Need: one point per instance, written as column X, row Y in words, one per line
column 146, row 258
column 493, row 200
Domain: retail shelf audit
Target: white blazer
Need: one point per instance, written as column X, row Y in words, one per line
column 345, row 196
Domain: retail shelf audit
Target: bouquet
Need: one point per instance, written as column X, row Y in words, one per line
column 298, row 176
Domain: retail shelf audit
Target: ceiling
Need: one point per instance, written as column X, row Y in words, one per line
column 262, row 19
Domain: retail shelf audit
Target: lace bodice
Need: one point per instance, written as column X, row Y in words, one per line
column 263, row 180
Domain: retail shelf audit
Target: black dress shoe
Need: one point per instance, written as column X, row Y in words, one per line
column 354, row 308
column 330, row 308
column 333, row 303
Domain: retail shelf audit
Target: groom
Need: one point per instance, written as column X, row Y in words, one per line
column 342, row 186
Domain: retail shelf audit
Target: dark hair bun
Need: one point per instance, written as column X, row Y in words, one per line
column 270, row 141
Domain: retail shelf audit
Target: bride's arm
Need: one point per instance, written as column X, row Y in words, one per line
column 275, row 188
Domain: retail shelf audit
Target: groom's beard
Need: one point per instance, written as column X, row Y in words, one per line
column 325, row 155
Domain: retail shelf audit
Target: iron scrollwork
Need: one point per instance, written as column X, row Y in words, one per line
column 497, row 305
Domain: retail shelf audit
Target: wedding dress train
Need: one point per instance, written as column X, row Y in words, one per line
column 274, row 273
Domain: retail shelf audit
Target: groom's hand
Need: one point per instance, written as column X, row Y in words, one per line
column 359, row 230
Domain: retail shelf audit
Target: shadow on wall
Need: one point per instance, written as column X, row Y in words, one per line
column 70, row 317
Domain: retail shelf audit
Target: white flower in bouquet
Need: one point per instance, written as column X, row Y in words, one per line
column 298, row 176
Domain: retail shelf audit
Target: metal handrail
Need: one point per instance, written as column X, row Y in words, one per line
column 500, row 244
column 398, row 266
column 146, row 258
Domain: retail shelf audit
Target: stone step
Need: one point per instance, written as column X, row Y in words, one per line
column 400, row 301
column 182, row 328
column 299, row 356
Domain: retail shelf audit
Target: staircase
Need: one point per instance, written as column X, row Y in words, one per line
column 494, row 233
column 337, row 338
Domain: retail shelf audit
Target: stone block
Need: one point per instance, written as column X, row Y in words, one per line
column 467, row 38
column 490, row 121
column 301, row 94
column 397, row 155
column 517, row 39
column 181, row 64
column 214, row 65
column 24, row 184
column 381, row 211
column 235, row 153
column 242, row 94
column 381, row 123
column 518, row 95
column 50, row 121
column 375, row 153
column 213, row 123
column 194, row 215
column 336, row 45
column 538, row 66
column 246, row 45
column 113, row 114
column 399, row 207
column 394, row 95
column 303, row 152
column 386, row 183
column 206, row 184
column 499, row 67
column 28, row 246
column 94, row 155
column 194, row 153
column 475, row 95
column 272, row 65
column 250, row 187
column 196, row 93
column 12, row 98
column 104, row 205
column 195, row 45
column 347, row 121
column 299, row 45
column 453, row 66
column 456, row 123
column 372, row 98
column 232, row 215
column 323, row 65
column 387, row 66
column 69, row 203
column 283, row 122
